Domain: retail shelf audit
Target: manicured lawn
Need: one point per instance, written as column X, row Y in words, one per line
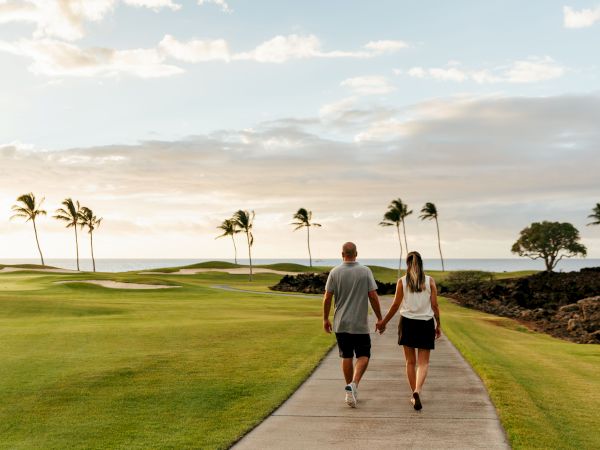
column 193, row 367
column 196, row 367
column 547, row 391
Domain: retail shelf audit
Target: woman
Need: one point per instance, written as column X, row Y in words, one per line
column 416, row 297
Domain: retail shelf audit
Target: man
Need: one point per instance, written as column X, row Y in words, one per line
column 352, row 284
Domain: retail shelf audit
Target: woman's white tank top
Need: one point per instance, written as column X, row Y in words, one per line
column 417, row 305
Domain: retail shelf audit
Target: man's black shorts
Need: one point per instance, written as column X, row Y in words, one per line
column 353, row 344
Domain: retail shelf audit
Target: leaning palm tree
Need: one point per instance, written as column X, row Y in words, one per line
column 303, row 218
column 70, row 214
column 595, row 215
column 29, row 210
column 404, row 212
column 243, row 220
column 392, row 218
column 429, row 212
column 89, row 220
column 230, row 228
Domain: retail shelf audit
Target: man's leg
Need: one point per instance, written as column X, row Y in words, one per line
column 348, row 369
column 360, row 368
column 411, row 359
column 422, row 369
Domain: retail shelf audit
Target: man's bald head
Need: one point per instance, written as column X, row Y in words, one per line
column 349, row 251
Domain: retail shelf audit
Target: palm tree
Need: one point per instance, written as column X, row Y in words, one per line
column 89, row 220
column 303, row 218
column 595, row 215
column 429, row 212
column 71, row 215
column 29, row 210
column 404, row 212
column 391, row 218
column 230, row 228
column 243, row 220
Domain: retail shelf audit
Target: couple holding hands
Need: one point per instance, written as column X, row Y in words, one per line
column 352, row 286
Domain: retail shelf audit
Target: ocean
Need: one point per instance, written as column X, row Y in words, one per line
column 492, row 265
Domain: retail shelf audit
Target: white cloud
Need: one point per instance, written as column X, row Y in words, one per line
column 580, row 19
column 65, row 19
column 154, row 4
column 195, row 50
column 221, row 3
column 284, row 48
column 385, row 46
column 53, row 57
column 531, row 70
column 56, row 58
column 368, row 85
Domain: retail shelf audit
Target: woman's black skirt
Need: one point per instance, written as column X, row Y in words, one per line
column 416, row 333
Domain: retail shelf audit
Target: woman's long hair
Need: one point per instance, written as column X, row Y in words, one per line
column 415, row 277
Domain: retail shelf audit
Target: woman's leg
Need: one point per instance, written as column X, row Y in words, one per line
column 423, row 366
column 411, row 360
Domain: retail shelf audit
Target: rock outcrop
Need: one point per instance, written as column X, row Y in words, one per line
column 564, row 305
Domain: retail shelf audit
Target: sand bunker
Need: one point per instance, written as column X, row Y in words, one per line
column 235, row 271
column 22, row 269
column 120, row 285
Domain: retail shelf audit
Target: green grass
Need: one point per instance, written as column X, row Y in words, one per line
column 195, row 367
column 89, row 367
column 547, row 391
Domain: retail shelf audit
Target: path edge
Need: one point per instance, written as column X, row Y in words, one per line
column 455, row 348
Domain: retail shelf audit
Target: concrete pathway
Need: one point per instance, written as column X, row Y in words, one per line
column 457, row 412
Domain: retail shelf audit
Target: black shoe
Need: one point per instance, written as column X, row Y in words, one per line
column 417, row 404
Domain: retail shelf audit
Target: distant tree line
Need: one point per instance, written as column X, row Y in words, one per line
column 550, row 241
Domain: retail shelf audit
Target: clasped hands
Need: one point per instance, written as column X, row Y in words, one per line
column 380, row 326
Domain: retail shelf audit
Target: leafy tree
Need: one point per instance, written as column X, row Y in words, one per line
column 429, row 212
column 243, row 220
column 393, row 218
column 550, row 241
column 71, row 215
column 29, row 210
column 303, row 220
column 595, row 215
column 229, row 228
column 89, row 220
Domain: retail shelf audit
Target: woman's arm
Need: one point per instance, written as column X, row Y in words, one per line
column 435, row 307
column 395, row 306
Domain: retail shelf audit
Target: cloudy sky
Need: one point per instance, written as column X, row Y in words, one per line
column 166, row 116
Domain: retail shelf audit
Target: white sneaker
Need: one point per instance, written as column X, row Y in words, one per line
column 351, row 395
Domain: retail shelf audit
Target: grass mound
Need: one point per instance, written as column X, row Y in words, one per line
column 212, row 265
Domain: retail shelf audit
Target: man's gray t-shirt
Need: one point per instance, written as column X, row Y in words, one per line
column 351, row 283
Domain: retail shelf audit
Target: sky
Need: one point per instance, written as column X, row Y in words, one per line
column 167, row 116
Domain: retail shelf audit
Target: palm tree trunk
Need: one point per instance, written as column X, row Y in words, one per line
column 234, row 248
column 38, row 242
column 400, row 242
column 249, row 254
column 308, row 238
column 439, row 243
column 404, row 231
column 76, row 246
column 92, row 247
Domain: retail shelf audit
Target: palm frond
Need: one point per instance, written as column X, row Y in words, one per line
column 429, row 212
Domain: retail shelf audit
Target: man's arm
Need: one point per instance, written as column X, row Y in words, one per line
column 326, row 310
column 374, row 300
column 436, row 308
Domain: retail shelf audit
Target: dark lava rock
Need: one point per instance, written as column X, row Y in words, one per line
column 314, row 283
column 565, row 305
